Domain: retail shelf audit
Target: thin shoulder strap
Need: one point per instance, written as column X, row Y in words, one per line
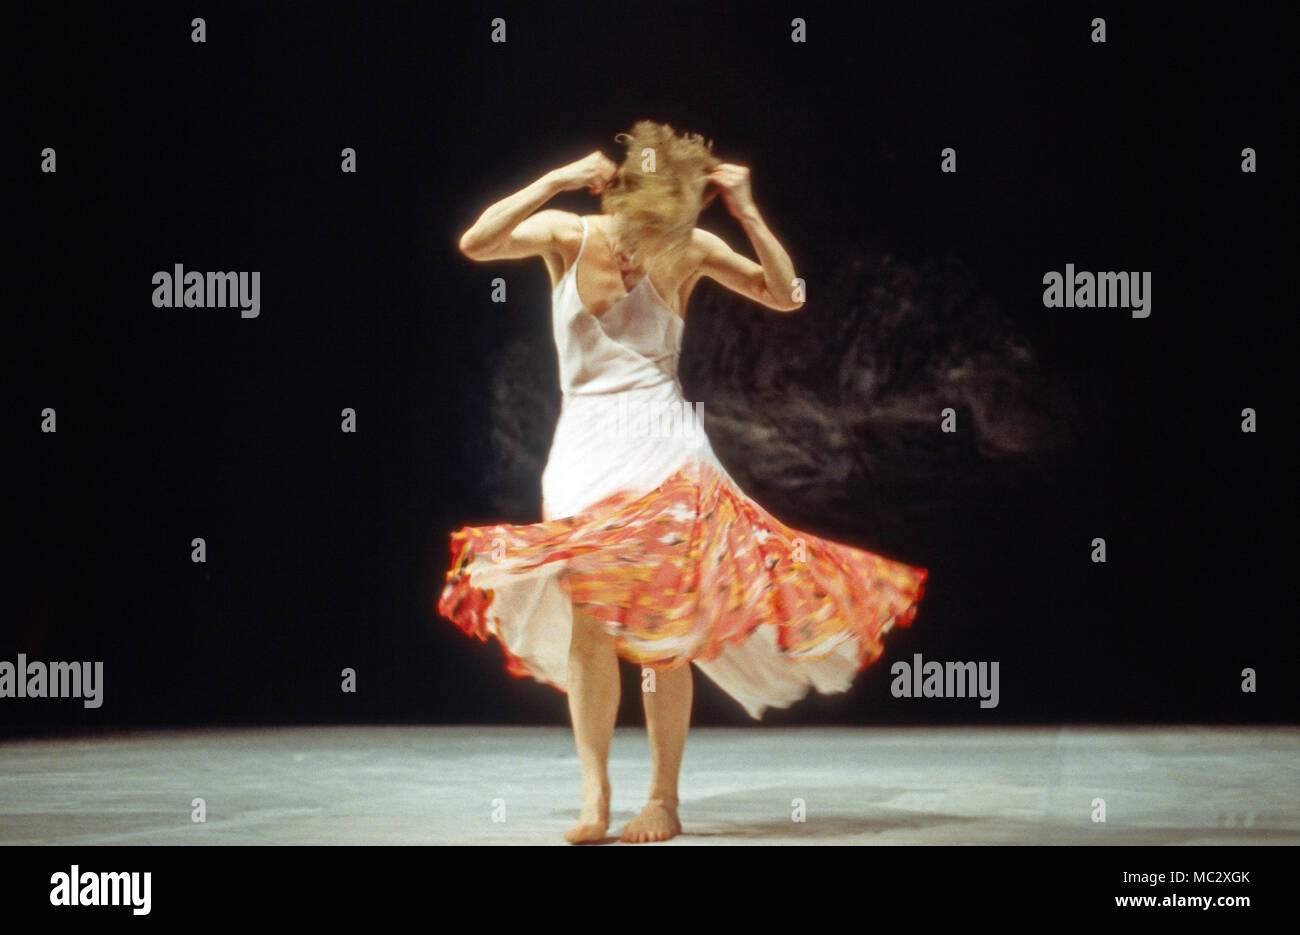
column 583, row 245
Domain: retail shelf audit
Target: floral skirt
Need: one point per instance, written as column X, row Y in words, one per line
column 692, row 571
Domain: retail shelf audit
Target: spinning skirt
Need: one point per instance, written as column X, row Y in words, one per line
column 691, row 571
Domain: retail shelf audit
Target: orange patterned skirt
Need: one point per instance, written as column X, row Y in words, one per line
column 682, row 572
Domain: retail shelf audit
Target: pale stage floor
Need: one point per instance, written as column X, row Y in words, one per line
column 497, row 785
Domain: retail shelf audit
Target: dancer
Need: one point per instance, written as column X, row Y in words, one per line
column 648, row 550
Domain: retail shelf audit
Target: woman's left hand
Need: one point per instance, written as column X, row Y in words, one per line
column 733, row 181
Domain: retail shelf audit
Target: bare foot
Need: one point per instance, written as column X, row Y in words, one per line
column 593, row 820
column 657, row 822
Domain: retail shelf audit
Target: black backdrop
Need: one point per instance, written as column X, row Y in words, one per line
column 327, row 550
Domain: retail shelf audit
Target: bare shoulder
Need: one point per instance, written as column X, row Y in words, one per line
column 549, row 225
column 567, row 230
column 706, row 241
column 709, row 254
column 706, row 245
column 563, row 230
column 693, row 263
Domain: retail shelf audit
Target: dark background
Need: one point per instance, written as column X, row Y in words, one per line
column 327, row 550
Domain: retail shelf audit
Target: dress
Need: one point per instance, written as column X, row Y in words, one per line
column 645, row 531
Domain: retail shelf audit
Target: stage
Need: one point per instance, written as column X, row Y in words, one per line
column 497, row 785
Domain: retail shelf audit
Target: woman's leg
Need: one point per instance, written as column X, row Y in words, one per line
column 667, row 718
column 593, row 706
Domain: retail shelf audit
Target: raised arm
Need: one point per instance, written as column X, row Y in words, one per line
column 770, row 281
column 510, row 230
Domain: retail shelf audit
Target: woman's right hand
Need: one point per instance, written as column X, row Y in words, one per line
column 591, row 172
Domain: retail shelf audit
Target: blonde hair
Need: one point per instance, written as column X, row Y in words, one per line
column 659, row 194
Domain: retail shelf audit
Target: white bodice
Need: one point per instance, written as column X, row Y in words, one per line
column 634, row 345
column 618, row 376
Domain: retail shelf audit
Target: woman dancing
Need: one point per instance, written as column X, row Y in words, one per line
column 648, row 550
